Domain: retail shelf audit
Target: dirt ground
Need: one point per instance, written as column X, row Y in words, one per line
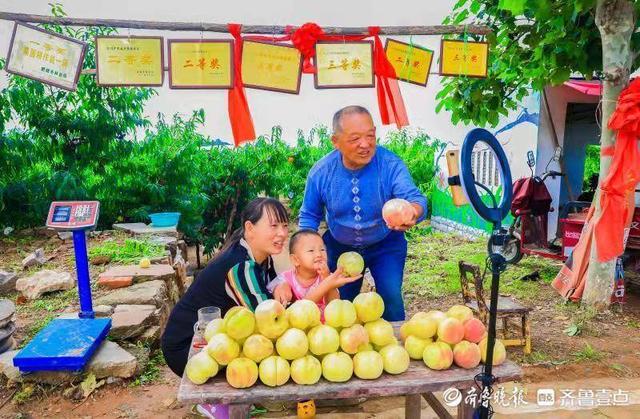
column 607, row 347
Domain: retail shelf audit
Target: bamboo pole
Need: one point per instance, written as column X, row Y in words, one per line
column 253, row 29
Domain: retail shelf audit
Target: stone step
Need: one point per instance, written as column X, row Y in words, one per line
column 110, row 360
column 138, row 274
column 151, row 292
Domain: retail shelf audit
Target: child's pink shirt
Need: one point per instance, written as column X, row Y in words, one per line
column 299, row 290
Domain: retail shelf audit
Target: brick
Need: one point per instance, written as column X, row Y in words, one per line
column 115, row 281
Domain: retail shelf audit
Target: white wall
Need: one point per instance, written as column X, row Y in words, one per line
column 557, row 97
column 304, row 111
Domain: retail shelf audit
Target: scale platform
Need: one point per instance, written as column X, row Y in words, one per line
column 64, row 344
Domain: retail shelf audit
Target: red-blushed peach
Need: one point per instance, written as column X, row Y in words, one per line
column 474, row 330
column 466, row 354
column 450, row 330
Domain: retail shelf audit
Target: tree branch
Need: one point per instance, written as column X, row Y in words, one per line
column 255, row 29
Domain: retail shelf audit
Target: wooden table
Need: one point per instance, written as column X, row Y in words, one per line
column 417, row 381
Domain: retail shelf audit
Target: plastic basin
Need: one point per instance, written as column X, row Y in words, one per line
column 164, row 219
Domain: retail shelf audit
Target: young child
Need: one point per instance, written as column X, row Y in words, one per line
column 309, row 278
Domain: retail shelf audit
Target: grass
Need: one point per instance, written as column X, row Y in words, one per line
column 536, row 357
column 432, row 267
column 151, row 371
column 24, row 394
column 588, row 353
column 634, row 324
column 129, row 252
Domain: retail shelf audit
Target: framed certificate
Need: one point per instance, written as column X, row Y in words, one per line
column 200, row 64
column 129, row 61
column 411, row 62
column 45, row 56
column 344, row 65
column 460, row 58
column 271, row 66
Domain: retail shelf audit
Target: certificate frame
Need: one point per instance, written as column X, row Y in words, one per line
column 173, row 85
column 421, row 48
column 69, row 87
column 319, row 85
column 270, row 88
column 106, row 84
column 449, row 73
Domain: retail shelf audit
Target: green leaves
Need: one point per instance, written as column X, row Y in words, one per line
column 516, row 7
column 534, row 43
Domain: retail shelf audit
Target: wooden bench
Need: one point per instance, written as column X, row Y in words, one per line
column 418, row 381
column 509, row 310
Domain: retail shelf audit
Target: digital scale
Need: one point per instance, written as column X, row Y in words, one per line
column 68, row 344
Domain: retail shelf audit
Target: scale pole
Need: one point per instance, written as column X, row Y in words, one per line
column 82, row 267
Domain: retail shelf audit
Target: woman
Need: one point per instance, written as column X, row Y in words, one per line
column 238, row 275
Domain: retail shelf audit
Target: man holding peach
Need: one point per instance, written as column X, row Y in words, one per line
column 349, row 188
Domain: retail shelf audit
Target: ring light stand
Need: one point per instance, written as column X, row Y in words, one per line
column 494, row 214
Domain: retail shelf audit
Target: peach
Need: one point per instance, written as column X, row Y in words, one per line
column 438, row 356
column 380, row 332
column 351, row 263
column 460, row 312
column 474, row 330
column 353, row 338
column 404, row 334
column 450, row 330
column 222, row 348
column 274, row 371
column 368, row 365
column 257, row 348
column 201, row 367
column 306, row 370
column 323, row 340
column 499, row 351
column 340, row 313
column 369, row 306
column 395, row 359
column 466, row 354
column 292, row 344
column 337, row 367
column 436, row 315
column 422, row 326
column 303, row 314
column 239, row 322
column 242, row 373
column 415, row 346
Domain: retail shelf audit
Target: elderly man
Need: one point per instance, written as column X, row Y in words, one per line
column 351, row 184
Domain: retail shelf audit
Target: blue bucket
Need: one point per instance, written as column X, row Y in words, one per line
column 164, row 219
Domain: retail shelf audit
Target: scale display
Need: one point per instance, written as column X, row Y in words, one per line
column 73, row 215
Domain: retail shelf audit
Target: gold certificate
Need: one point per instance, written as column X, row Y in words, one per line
column 411, row 62
column 200, row 64
column 344, row 65
column 45, row 56
column 270, row 66
column 129, row 61
column 460, row 58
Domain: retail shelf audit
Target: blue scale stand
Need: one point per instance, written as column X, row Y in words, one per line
column 69, row 344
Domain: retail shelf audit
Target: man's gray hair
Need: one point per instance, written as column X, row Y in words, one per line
column 347, row 110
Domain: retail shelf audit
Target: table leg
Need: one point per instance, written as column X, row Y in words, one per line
column 412, row 406
column 239, row 411
column 465, row 410
column 437, row 407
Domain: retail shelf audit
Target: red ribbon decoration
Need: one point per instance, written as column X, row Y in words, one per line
column 239, row 113
column 624, row 175
column 390, row 102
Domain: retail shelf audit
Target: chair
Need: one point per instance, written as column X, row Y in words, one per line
column 508, row 311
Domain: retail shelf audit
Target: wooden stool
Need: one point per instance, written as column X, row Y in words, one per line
column 508, row 311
